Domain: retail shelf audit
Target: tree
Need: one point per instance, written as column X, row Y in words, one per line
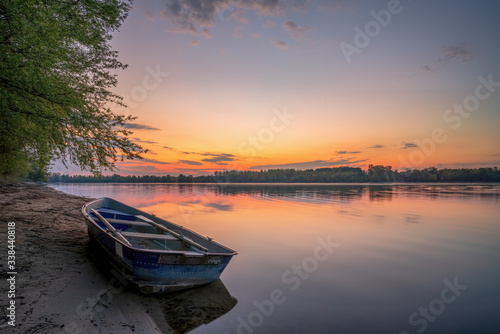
column 56, row 72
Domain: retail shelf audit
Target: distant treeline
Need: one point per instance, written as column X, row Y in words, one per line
column 320, row 175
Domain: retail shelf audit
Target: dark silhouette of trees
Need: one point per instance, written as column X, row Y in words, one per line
column 375, row 174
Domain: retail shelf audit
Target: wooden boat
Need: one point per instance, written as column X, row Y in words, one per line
column 156, row 255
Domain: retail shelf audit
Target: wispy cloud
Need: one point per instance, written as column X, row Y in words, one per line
column 450, row 53
column 139, row 140
column 156, row 161
column 458, row 51
column 295, row 30
column 143, row 161
column 347, row 152
column 190, row 162
column 135, row 126
column 376, row 146
column 141, row 170
column 194, row 43
column 408, row 145
column 196, row 17
column 219, row 159
column 280, row 44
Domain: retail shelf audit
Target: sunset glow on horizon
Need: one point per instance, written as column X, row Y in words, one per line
column 263, row 84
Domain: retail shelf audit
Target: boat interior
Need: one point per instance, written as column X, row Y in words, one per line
column 142, row 233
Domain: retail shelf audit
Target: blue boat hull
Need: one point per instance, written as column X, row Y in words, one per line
column 158, row 271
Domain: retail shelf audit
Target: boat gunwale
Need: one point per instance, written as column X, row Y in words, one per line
column 155, row 251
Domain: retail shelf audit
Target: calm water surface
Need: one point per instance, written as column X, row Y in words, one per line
column 342, row 258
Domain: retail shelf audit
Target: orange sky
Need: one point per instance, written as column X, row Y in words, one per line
column 263, row 84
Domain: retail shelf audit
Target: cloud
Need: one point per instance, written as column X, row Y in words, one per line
column 459, row 51
column 295, row 30
column 309, row 164
column 141, row 170
column 495, row 155
column 190, row 162
column 347, row 152
column 376, row 146
column 280, row 44
column 142, row 161
column 216, row 158
column 168, row 148
column 450, row 53
column 426, row 68
column 265, row 7
column 138, row 140
column 219, row 159
column 135, row 126
column 191, row 16
column 155, row 161
column 207, row 33
column 408, row 145
column 194, row 43
column 196, row 16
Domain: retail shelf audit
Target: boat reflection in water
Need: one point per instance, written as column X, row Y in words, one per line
column 175, row 312
column 189, row 309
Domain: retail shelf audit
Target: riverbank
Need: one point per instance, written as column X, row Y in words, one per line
column 58, row 288
column 60, row 285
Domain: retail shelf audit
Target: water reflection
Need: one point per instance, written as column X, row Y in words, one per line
column 295, row 192
column 350, row 192
column 399, row 243
column 187, row 310
column 178, row 312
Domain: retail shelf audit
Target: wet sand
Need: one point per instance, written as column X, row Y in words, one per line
column 61, row 286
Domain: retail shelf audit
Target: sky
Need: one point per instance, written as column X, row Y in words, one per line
column 261, row 84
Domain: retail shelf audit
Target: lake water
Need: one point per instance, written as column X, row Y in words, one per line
column 342, row 258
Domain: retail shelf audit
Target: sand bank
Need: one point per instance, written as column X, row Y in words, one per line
column 60, row 286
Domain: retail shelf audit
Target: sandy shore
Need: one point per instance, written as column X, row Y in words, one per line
column 60, row 286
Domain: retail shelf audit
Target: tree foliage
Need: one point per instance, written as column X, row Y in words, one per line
column 56, row 72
